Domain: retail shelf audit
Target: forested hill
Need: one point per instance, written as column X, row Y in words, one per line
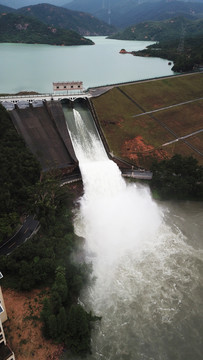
column 162, row 30
column 125, row 13
column 180, row 40
column 20, row 3
column 17, row 28
column 84, row 24
column 5, row 9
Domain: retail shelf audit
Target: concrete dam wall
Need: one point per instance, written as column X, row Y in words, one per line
column 45, row 133
column 44, row 129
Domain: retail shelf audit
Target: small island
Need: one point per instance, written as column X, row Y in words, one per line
column 123, row 51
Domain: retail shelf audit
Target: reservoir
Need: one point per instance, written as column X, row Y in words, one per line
column 26, row 67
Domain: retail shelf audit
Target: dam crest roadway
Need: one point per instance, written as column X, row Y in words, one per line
column 23, row 101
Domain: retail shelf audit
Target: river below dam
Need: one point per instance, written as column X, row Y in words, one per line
column 147, row 256
column 147, row 259
column 26, row 67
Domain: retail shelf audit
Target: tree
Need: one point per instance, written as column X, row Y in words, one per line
column 52, row 326
column 61, row 323
column 79, row 330
column 19, row 171
column 26, row 278
column 59, row 289
column 47, row 198
column 45, row 315
column 179, row 178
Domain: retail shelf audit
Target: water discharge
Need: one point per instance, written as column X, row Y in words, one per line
column 148, row 287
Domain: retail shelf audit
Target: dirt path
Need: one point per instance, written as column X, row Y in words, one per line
column 167, row 107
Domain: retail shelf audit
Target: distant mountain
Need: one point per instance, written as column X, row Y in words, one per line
column 84, row 24
column 90, row 6
column 20, row 3
column 122, row 13
column 5, row 9
column 162, row 30
column 161, row 11
column 93, row 6
column 17, row 28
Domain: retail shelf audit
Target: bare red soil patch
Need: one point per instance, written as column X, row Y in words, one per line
column 135, row 149
column 23, row 328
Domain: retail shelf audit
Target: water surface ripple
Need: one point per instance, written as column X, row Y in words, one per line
column 35, row 67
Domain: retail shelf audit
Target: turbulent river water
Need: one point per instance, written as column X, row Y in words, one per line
column 148, row 271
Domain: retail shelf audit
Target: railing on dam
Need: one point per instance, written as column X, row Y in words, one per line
column 134, row 174
column 138, row 174
column 71, row 179
column 9, row 101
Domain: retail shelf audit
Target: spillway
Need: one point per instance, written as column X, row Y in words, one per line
column 147, row 287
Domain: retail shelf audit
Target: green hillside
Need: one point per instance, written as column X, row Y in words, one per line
column 20, row 29
column 19, row 171
column 162, row 30
column 5, row 9
column 180, row 40
column 84, row 24
column 186, row 55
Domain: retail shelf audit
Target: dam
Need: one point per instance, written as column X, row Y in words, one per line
column 147, row 270
column 45, row 126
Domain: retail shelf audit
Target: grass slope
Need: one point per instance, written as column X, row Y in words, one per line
column 141, row 138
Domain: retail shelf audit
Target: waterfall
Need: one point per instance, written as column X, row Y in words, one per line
column 115, row 217
column 146, row 273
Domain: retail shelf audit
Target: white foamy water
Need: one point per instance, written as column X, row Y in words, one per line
column 147, row 288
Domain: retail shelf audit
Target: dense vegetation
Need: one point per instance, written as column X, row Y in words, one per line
column 84, row 24
column 47, row 259
column 125, row 13
column 180, row 40
column 5, row 9
column 18, row 28
column 19, row 171
column 185, row 59
column 165, row 30
column 178, row 178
